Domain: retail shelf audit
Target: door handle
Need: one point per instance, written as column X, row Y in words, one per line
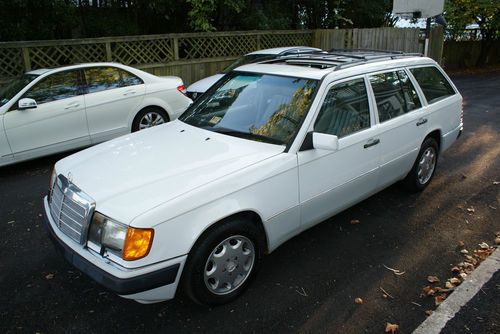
column 129, row 92
column 421, row 121
column 72, row 105
column 372, row 142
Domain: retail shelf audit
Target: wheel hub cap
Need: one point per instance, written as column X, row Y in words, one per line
column 229, row 265
column 426, row 165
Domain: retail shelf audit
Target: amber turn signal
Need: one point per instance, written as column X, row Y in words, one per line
column 137, row 243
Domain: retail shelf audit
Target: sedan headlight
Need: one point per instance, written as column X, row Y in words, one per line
column 128, row 242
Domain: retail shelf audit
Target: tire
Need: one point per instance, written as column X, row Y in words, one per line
column 148, row 117
column 223, row 262
column 424, row 167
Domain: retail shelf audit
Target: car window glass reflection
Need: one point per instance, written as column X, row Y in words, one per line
column 389, row 95
column 104, row 78
column 55, row 87
column 264, row 107
column 345, row 109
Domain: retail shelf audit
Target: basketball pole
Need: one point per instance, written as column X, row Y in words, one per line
column 427, row 36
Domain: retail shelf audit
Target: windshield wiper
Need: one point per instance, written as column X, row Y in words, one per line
column 247, row 135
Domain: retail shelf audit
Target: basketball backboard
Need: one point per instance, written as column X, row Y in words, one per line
column 417, row 8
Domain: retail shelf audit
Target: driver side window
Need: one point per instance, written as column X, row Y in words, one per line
column 57, row 86
column 345, row 109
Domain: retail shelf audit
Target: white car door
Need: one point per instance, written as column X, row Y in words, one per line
column 330, row 181
column 401, row 121
column 112, row 95
column 58, row 121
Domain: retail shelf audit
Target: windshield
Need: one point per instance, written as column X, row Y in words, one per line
column 248, row 59
column 9, row 91
column 259, row 107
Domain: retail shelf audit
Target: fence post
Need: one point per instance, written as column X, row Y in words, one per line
column 436, row 42
column 176, row 48
column 258, row 42
column 26, row 59
column 109, row 55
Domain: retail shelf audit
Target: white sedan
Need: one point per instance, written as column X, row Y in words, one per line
column 47, row 111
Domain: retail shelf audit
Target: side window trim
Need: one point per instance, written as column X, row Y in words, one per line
column 420, row 92
column 333, row 83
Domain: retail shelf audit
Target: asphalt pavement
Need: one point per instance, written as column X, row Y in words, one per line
column 309, row 284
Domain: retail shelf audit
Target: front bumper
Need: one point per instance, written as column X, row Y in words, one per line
column 132, row 285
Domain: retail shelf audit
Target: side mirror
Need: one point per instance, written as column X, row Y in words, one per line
column 26, row 104
column 325, row 142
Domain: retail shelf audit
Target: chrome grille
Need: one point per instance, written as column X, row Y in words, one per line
column 71, row 209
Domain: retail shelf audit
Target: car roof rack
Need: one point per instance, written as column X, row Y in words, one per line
column 341, row 58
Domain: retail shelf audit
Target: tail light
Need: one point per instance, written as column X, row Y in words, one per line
column 182, row 89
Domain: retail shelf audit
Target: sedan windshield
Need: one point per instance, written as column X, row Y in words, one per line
column 9, row 91
column 259, row 107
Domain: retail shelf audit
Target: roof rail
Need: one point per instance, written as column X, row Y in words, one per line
column 343, row 58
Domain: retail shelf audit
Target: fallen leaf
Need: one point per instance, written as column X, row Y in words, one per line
column 497, row 241
column 496, row 182
column 484, row 245
column 432, row 279
column 471, row 210
column 391, row 328
column 439, row 299
column 455, row 269
column 464, row 251
column 428, row 291
column 449, row 285
column 355, row 221
column 49, row 276
column 358, row 301
column 461, row 244
column 463, row 276
column 455, row 281
column 428, row 312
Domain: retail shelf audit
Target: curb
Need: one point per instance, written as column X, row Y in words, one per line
column 461, row 296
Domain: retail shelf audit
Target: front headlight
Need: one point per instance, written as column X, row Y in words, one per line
column 128, row 242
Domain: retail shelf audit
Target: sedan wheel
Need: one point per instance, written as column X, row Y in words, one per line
column 150, row 119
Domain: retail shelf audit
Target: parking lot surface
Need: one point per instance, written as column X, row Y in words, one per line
column 307, row 285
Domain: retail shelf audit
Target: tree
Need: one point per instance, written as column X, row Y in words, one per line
column 484, row 13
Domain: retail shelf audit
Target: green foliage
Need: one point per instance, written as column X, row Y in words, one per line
column 486, row 13
column 56, row 19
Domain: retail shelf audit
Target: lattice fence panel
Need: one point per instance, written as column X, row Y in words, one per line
column 58, row 55
column 293, row 39
column 143, row 51
column 11, row 62
column 217, row 46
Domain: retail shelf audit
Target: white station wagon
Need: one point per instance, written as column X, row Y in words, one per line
column 271, row 150
column 53, row 110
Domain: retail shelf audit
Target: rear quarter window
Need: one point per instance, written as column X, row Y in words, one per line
column 433, row 83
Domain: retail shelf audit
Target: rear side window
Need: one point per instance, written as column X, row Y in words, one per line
column 345, row 109
column 105, row 78
column 433, row 83
column 389, row 95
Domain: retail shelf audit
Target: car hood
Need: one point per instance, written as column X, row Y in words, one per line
column 201, row 86
column 132, row 174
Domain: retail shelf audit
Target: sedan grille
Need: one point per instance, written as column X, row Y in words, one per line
column 71, row 209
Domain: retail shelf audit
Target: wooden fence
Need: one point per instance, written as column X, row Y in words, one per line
column 464, row 54
column 191, row 56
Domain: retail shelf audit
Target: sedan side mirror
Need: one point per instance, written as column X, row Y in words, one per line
column 323, row 141
column 26, row 103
